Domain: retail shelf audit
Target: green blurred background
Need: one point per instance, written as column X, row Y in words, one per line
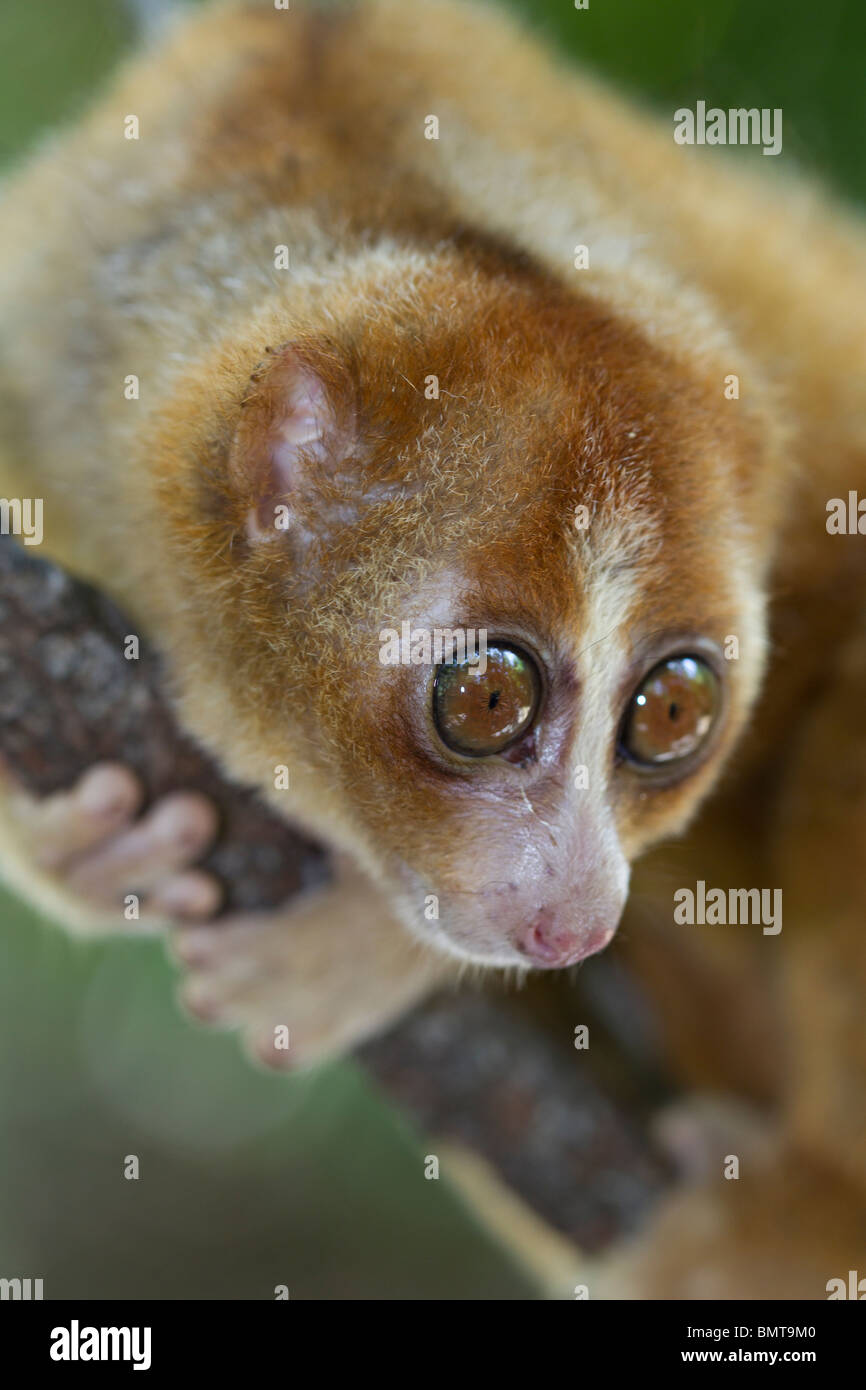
column 248, row 1180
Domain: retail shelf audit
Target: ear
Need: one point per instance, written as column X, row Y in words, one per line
column 297, row 430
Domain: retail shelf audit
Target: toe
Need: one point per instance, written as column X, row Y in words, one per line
column 264, row 1048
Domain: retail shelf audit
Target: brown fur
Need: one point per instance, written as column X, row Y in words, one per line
column 558, row 388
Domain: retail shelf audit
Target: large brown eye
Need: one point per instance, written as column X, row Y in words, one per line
column 479, row 713
column 672, row 712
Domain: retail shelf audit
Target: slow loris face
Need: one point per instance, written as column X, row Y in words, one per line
column 574, row 493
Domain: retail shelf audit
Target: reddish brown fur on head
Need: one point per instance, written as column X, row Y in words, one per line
column 459, row 512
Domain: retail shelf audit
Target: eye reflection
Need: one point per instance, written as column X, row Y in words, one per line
column 480, row 713
column 671, row 713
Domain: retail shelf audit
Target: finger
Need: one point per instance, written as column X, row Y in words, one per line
column 173, row 834
column 59, row 827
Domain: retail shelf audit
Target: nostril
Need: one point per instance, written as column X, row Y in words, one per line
column 539, row 932
column 543, row 941
column 546, row 942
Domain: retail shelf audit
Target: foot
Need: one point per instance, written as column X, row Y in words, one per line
column 309, row 980
column 99, row 858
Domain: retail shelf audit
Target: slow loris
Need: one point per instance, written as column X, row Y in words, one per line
column 331, row 321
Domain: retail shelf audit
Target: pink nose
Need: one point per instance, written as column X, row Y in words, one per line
column 550, row 945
